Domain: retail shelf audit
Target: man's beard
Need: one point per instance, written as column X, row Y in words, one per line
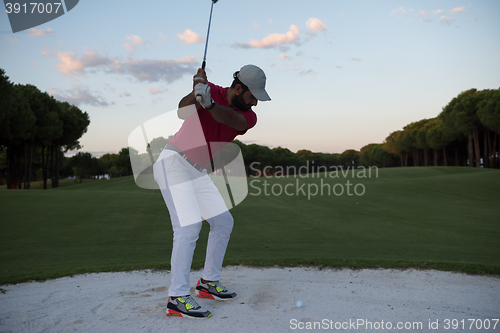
column 239, row 103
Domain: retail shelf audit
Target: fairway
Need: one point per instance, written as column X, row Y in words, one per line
column 434, row 217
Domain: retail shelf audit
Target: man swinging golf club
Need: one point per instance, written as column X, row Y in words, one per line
column 218, row 116
column 212, row 114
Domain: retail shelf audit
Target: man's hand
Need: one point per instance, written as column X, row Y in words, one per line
column 200, row 77
column 202, row 93
column 189, row 99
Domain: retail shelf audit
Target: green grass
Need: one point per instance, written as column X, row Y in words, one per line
column 445, row 218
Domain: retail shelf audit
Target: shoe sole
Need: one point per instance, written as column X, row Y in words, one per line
column 205, row 294
column 173, row 313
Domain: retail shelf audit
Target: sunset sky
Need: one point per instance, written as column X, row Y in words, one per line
column 341, row 74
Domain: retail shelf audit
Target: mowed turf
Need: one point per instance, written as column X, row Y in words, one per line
column 434, row 217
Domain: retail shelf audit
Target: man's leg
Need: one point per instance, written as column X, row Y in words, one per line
column 221, row 224
column 177, row 189
column 182, row 256
column 209, row 285
column 218, row 239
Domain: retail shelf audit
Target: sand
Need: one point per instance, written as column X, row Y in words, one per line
column 365, row 300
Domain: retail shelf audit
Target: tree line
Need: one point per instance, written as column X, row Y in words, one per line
column 262, row 160
column 84, row 166
column 466, row 130
column 465, row 133
column 35, row 131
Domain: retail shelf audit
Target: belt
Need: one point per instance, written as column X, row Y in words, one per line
column 177, row 150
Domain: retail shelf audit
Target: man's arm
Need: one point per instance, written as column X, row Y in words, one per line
column 190, row 99
column 222, row 114
column 184, row 112
column 227, row 116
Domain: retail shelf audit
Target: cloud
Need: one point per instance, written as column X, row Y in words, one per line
column 298, row 68
column 48, row 51
column 156, row 91
column 446, row 20
column 8, row 40
column 33, row 32
column 284, row 56
column 134, row 41
column 143, row 70
column 273, row 40
column 161, row 38
column 153, row 70
column 255, row 26
column 190, row 37
column 314, row 24
column 80, row 95
column 420, row 14
column 72, row 65
column 420, row 17
column 355, row 59
column 458, row 10
column 305, row 72
column 399, row 10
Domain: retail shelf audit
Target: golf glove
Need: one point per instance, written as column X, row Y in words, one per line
column 202, row 93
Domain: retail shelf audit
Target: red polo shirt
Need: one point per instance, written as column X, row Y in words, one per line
column 201, row 128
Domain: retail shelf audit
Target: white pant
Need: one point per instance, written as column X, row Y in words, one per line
column 189, row 195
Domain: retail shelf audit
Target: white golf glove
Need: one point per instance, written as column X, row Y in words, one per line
column 202, row 93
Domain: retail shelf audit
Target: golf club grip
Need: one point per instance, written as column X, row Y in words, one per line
column 203, row 65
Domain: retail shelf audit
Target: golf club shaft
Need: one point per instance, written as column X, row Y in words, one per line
column 204, row 63
column 206, row 42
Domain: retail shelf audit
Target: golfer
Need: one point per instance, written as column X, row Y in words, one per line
column 212, row 114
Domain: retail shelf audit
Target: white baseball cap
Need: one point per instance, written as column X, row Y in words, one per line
column 255, row 79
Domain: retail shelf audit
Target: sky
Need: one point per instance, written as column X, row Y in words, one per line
column 341, row 74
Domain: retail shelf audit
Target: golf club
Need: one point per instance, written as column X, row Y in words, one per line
column 198, row 98
column 208, row 33
column 204, row 63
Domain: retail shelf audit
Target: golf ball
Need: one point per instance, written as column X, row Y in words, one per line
column 299, row 304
